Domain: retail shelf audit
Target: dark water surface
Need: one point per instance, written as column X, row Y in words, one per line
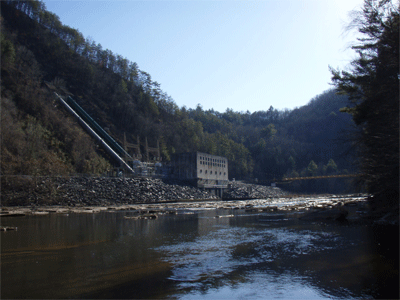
column 196, row 256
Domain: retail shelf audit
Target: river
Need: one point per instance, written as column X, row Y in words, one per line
column 195, row 254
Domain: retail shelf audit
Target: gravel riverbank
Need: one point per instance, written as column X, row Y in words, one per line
column 240, row 190
column 43, row 195
column 103, row 191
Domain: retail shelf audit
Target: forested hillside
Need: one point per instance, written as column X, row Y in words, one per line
column 39, row 137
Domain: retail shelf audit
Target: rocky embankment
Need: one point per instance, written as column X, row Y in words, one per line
column 106, row 190
column 149, row 197
column 101, row 191
column 239, row 190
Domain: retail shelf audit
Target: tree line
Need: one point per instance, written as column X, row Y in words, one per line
column 372, row 84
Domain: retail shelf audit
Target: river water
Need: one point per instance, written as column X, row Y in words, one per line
column 195, row 255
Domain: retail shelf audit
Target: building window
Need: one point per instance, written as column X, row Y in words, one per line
column 219, row 173
column 206, row 171
column 201, row 171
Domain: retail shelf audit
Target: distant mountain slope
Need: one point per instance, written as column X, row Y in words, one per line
column 322, row 110
column 322, row 124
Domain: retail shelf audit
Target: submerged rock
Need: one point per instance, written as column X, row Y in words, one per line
column 326, row 215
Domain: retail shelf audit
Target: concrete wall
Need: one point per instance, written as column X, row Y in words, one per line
column 184, row 166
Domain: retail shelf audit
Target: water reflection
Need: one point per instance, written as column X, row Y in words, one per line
column 246, row 251
column 263, row 285
column 193, row 256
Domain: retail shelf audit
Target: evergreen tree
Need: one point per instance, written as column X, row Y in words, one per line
column 373, row 88
column 331, row 167
column 312, row 168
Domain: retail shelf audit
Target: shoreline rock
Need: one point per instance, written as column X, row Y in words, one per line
column 317, row 207
column 93, row 194
column 103, row 191
column 246, row 191
column 96, row 191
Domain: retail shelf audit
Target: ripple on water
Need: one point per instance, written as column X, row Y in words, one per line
column 222, row 251
column 262, row 286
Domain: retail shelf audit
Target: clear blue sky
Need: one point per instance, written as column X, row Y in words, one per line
column 244, row 55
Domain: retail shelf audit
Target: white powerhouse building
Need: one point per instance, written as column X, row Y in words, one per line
column 202, row 169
